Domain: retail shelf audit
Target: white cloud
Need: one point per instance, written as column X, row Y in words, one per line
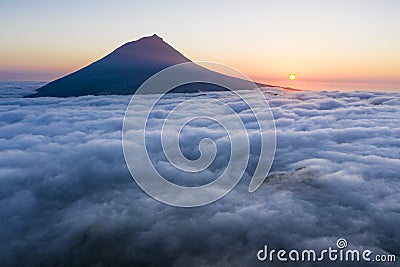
column 66, row 196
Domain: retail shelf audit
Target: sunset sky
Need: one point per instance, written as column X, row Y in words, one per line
column 328, row 44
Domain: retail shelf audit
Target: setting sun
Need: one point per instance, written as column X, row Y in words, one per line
column 292, row 76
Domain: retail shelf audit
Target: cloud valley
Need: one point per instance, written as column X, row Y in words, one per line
column 67, row 198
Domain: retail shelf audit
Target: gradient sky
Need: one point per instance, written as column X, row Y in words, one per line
column 324, row 42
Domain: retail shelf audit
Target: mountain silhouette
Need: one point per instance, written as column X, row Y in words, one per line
column 123, row 71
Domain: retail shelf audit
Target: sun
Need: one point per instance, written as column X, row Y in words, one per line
column 292, row 76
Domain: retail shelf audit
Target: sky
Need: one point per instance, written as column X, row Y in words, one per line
column 328, row 44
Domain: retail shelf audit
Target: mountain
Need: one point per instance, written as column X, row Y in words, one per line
column 123, row 71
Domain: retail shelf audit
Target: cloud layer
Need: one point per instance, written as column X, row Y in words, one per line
column 67, row 198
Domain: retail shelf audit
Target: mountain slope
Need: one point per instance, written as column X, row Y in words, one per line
column 120, row 72
column 125, row 69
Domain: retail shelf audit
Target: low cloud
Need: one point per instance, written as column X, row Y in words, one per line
column 67, row 198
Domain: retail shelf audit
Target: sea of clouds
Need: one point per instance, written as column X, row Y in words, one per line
column 67, row 197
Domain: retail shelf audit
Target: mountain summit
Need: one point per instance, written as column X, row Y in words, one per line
column 123, row 71
column 120, row 72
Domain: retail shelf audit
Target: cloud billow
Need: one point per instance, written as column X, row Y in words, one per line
column 67, row 198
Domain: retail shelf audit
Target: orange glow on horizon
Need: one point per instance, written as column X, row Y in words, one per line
column 270, row 67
